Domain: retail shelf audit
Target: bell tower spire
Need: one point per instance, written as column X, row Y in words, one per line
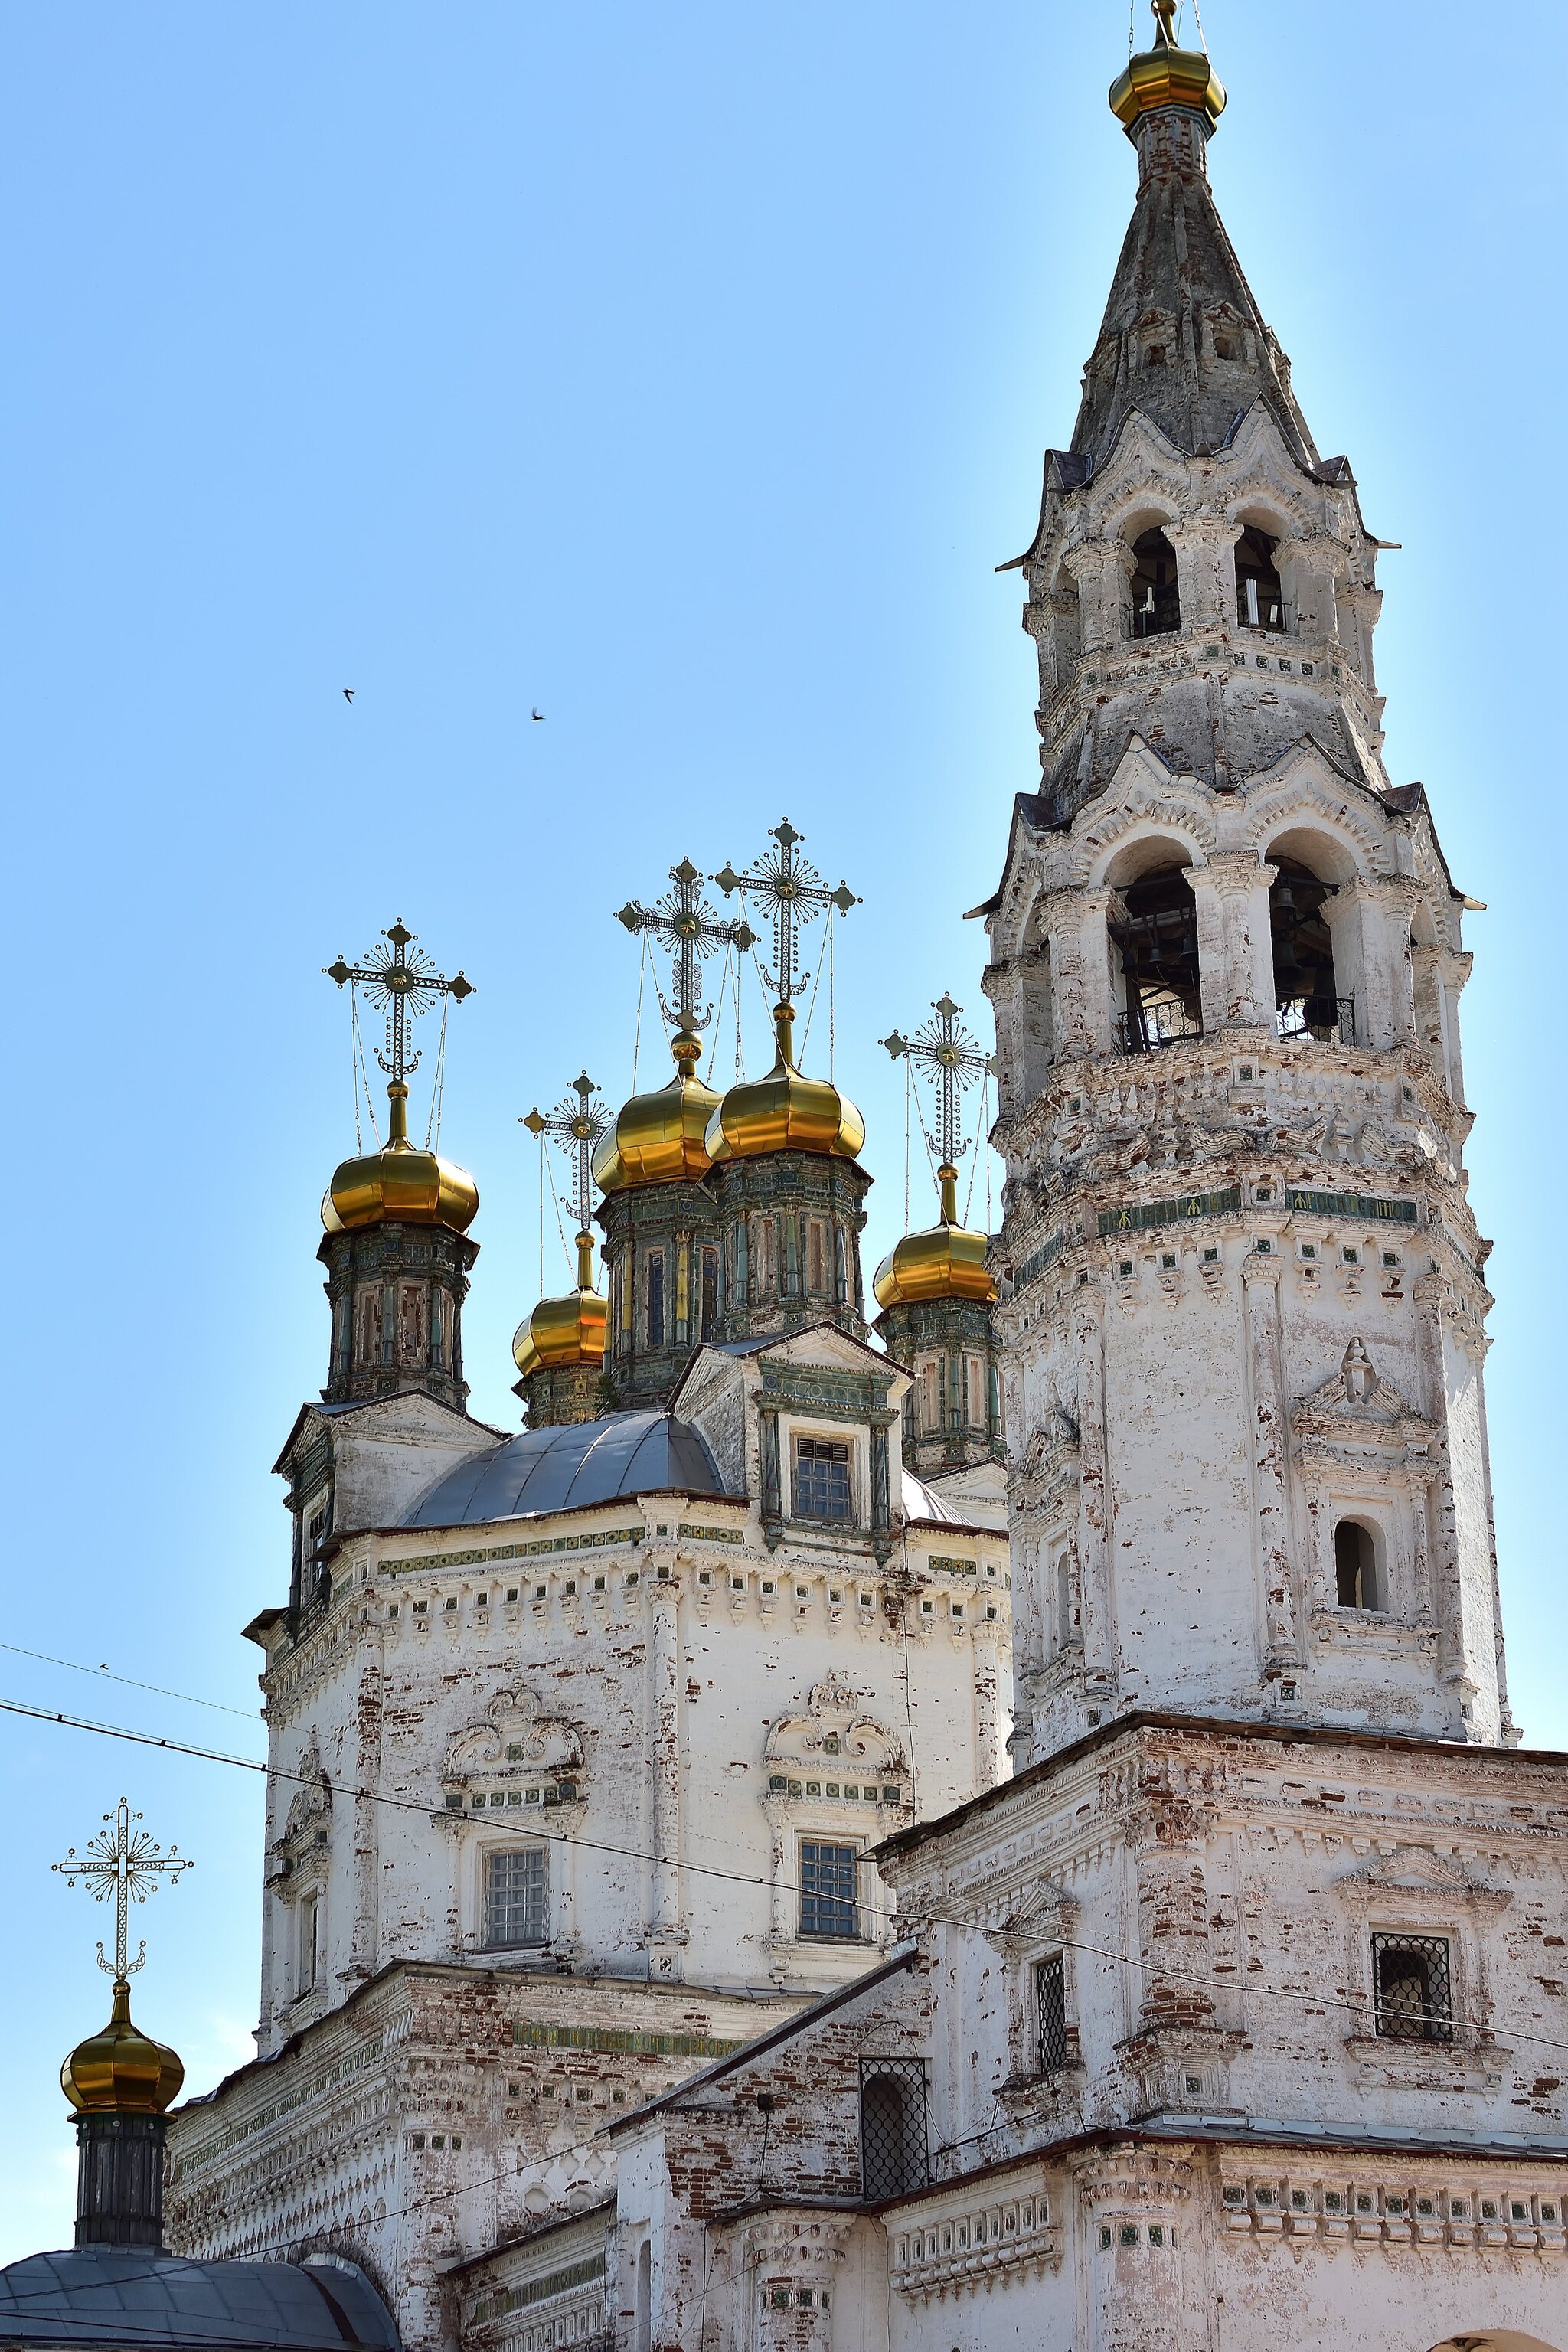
column 1242, row 1308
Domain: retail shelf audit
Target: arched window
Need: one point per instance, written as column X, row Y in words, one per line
column 1156, row 604
column 1155, row 946
column 893, row 2159
column 1307, row 1003
column 1355, row 1566
column 1259, row 599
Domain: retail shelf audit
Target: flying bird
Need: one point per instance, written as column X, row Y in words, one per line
column 538, row 714
column 348, row 694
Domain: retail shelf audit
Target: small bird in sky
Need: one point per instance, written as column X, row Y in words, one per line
column 348, row 694
column 538, row 714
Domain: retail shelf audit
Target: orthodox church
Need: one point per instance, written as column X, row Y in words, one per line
column 996, row 1821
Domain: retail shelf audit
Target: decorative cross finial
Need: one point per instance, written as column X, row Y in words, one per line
column 790, row 893
column 399, row 985
column 576, row 1124
column 683, row 921
column 945, row 1048
column 129, row 1864
column 1164, row 14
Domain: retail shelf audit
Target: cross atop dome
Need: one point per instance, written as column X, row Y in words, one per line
column 400, row 985
column 790, row 893
column 683, row 921
column 944, row 1048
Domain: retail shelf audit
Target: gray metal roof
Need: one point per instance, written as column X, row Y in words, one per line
column 132, row 2296
column 562, row 1469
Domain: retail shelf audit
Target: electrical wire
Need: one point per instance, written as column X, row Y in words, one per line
column 1313, row 2003
column 103, row 1673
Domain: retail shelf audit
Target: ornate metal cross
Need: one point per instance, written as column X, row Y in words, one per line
column 576, row 1124
column 683, row 921
column 945, row 1048
column 128, row 1863
column 790, row 893
column 400, row 985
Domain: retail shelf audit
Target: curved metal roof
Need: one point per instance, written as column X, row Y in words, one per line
column 132, row 2295
column 562, row 1469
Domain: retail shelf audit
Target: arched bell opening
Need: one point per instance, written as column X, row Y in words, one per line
column 1154, row 961
column 1357, row 1583
column 1307, row 1001
column 1259, row 598
column 1156, row 600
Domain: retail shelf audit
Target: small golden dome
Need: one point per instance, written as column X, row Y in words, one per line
column 119, row 2071
column 946, row 1261
column 658, row 1138
column 400, row 1184
column 565, row 1331
column 784, row 1111
column 1166, row 76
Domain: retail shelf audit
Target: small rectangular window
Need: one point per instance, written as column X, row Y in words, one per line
column 974, row 1375
column 816, row 1256
column 930, row 1415
column 1051, row 2013
column 1411, row 1984
column 654, row 1279
column 707, row 1287
column 828, row 1896
column 517, row 1897
column 821, row 1479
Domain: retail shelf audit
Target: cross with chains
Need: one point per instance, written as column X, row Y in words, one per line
column 683, row 921
column 575, row 1126
column 124, row 1861
column 944, row 1048
column 400, row 985
column 790, row 893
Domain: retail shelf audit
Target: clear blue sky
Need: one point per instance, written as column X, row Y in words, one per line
column 685, row 372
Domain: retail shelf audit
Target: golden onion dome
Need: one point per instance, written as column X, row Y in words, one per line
column 945, row 1262
column 658, row 1138
column 400, row 1184
column 564, row 1331
column 119, row 2071
column 1166, row 76
column 784, row 1111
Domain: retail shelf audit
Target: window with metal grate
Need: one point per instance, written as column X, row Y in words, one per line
column 1413, row 1982
column 1051, row 2012
column 517, row 1897
column 893, row 2159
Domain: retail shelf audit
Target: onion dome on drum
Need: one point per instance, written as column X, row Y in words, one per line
column 784, row 1111
column 400, row 1184
column 564, row 1332
column 1166, row 76
column 946, row 1261
column 119, row 2071
column 658, row 1138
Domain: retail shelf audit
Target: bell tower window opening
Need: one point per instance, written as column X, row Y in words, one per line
column 1306, row 999
column 1156, row 601
column 1259, row 599
column 1356, row 1567
column 1155, row 942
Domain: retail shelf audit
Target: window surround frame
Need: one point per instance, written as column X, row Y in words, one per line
column 792, row 1426
column 1416, row 1891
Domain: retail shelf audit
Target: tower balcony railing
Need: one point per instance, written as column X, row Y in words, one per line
column 1150, row 1028
column 1329, row 1019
